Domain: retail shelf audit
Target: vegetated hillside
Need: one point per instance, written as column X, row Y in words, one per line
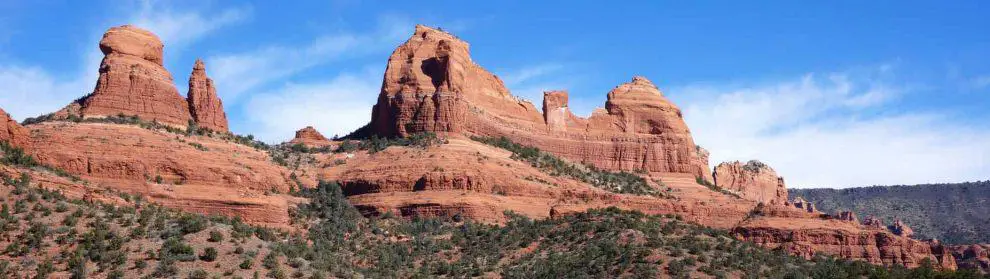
column 957, row 213
column 47, row 235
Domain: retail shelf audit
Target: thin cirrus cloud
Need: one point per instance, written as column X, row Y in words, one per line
column 833, row 130
column 239, row 74
column 335, row 107
column 32, row 90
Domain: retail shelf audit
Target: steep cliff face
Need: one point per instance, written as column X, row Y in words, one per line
column 753, row 180
column 133, row 81
column 432, row 85
column 205, row 106
column 309, row 136
column 11, row 131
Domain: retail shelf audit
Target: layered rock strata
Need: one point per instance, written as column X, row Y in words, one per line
column 753, row 180
column 432, row 85
column 803, row 233
column 205, row 106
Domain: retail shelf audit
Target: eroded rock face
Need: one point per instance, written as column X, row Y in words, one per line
column 753, row 180
column 133, row 81
column 12, row 132
column 802, row 233
column 205, row 106
column 432, row 85
column 309, row 136
column 975, row 256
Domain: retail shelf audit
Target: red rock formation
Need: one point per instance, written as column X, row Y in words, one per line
column 12, row 132
column 432, row 85
column 753, row 180
column 133, row 81
column 309, row 136
column 901, row 229
column 804, row 234
column 975, row 256
column 874, row 223
column 198, row 174
column 204, row 104
column 847, row 216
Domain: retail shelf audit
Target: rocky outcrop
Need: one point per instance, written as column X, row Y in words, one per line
column 205, row 106
column 975, row 256
column 753, row 180
column 847, row 216
column 873, row 223
column 432, row 85
column 12, row 132
column 801, row 203
column 133, row 81
column 804, row 234
column 901, row 229
column 309, row 136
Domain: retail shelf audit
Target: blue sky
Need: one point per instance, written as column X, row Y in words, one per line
column 836, row 93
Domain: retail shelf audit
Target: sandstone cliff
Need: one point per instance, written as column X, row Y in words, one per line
column 11, row 131
column 204, row 104
column 309, row 136
column 753, row 180
column 133, row 81
column 803, row 233
column 432, row 85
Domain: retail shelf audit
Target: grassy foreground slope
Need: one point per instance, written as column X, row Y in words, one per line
column 957, row 213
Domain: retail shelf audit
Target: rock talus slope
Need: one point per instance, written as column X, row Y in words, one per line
column 133, row 81
column 205, row 106
column 432, row 85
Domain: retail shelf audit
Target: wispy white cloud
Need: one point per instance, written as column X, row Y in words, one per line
column 239, row 73
column 833, row 130
column 335, row 107
column 981, row 82
column 178, row 28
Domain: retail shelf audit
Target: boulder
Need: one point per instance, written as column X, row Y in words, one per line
column 133, row 81
column 753, row 180
column 432, row 85
column 205, row 106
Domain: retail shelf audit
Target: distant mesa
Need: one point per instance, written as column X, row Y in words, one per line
column 133, row 82
column 309, row 136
